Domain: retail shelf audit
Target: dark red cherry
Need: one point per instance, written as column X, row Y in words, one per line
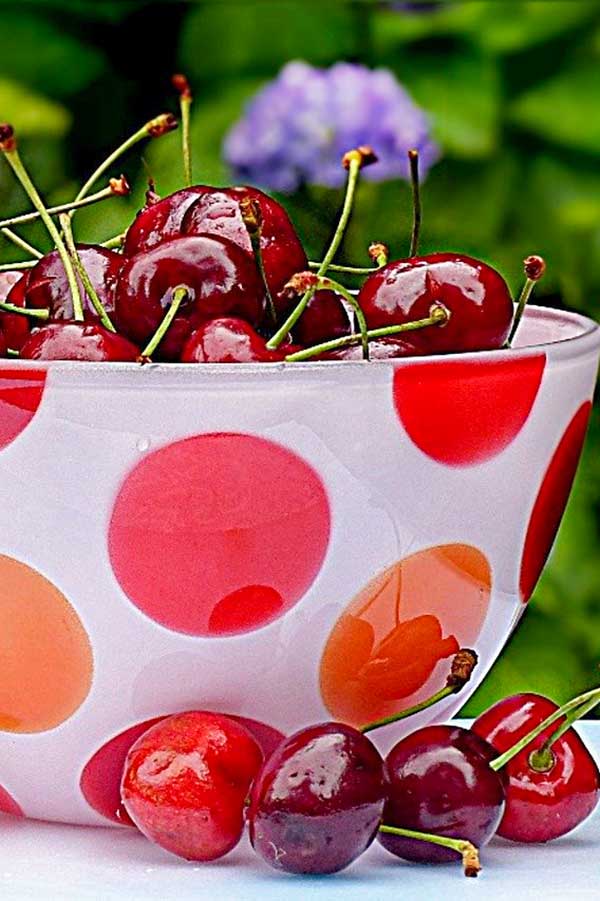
column 324, row 319
column 15, row 327
column 476, row 296
column 223, row 281
column 217, row 212
column 3, row 345
column 228, row 340
column 7, row 281
column 440, row 782
column 379, row 349
column 48, row 288
column 540, row 806
column 316, row 804
column 87, row 341
column 160, row 221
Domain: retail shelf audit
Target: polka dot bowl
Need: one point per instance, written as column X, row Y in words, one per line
column 283, row 543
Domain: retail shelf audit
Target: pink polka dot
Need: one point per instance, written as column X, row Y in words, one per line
column 219, row 534
column 9, row 805
column 551, row 501
column 463, row 412
column 20, row 395
column 101, row 777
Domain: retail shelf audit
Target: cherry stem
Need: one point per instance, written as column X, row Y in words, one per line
column 9, row 148
column 413, row 165
column 438, row 316
column 579, row 705
column 154, row 128
column 83, row 274
column 462, row 666
column 25, row 264
column 351, row 270
column 24, row 311
column 56, row 210
column 181, row 84
column 542, row 760
column 22, row 243
column 330, row 285
column 180, row 293
column 467, row 850
column 534, row 269
column 11, row 353
column 354, row 167
column 253, row 221
column 115, row 242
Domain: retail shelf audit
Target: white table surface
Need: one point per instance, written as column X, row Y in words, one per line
column 49, row 861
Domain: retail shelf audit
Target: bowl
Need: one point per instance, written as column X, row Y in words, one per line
column 286, row 543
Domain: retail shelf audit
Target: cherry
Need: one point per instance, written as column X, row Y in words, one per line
column 476, row 296
column 547, row 799
column 160, row 220
column 14, row 326
column 3, row 345
column 324, row 318
column 316, row 804
column 85, row 341
column 186, row 780
column 228, row 340
column 440, row 782
column 222, row 279
column 379, row 349
column 47, row 286
column 7, row 280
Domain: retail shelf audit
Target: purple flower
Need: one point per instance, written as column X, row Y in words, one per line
column 297, row 128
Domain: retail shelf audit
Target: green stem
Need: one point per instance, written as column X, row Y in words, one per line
column 26, row 264
column 114, row 243
column 181, row 84
column 330, row 285
column 86, row 281
column 521, row 304
column 14, row 160
column 413, row 163
column 252, row 218
column 542, row 760
column 467, row 850
column 352, row 270
column 416, row 708
column 577, row 703
column 439, row 315
column 24, row 311
column 22, row 243
column 56, row 210
column 180, row 293
column 280, row 335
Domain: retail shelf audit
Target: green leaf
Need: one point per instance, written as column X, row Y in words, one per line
column 507, row 27
column 105, row 10
column 30, row 113
column 563, row 109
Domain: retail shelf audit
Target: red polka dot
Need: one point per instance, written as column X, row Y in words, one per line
column 9, row 805
column 219, row 534
column 551, row 501
column 20, row 395
column 101, row 777
column 463, row 413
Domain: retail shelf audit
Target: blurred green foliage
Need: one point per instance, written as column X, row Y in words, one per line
column 512, row 88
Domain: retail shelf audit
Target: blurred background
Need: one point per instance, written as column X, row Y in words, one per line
column 501, row 97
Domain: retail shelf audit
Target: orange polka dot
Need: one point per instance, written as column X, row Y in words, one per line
column 383, row 653
column 45, row 654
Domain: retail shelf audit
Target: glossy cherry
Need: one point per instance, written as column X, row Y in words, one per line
column 186, row 780
column 160, row 220
column 47, row 286
column 7, row 281
column 440, row 782
column 3, row 345
column 228, row 340
column 316, row 804
column 540, row 806
column 223, row 281
column 324, row 319
column 15, row 327
column 84, row 341
column 379, row 349
column 476, row 296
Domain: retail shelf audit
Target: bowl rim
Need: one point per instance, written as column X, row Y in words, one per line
column 586, row 341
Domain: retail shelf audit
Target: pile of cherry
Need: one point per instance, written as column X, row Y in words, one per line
column 219, row 275
column 315, row 801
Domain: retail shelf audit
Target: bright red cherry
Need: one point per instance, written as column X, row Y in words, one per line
column 228, row 340
column 217, row 212
column 186, row 780
column 475, row 295
column 440, row 782
column 15, row 327
column 48, row 288
column 85, row 341
column 540, row 805
column 159, row 221
column 316, row 804
column 222, row 279
column 324, row 319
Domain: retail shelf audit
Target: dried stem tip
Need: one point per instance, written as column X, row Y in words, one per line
column 378, row 252
column 470, row 860
column 161, row 125
column 534, row 267
column 120, row 186
column 462, row 668
column 365, row 156
column 182, row 86
column 252, row 215
column 151, row 196
column 300, row 283
column 8, row 141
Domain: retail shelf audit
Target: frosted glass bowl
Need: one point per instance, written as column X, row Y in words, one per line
column 289, row 543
